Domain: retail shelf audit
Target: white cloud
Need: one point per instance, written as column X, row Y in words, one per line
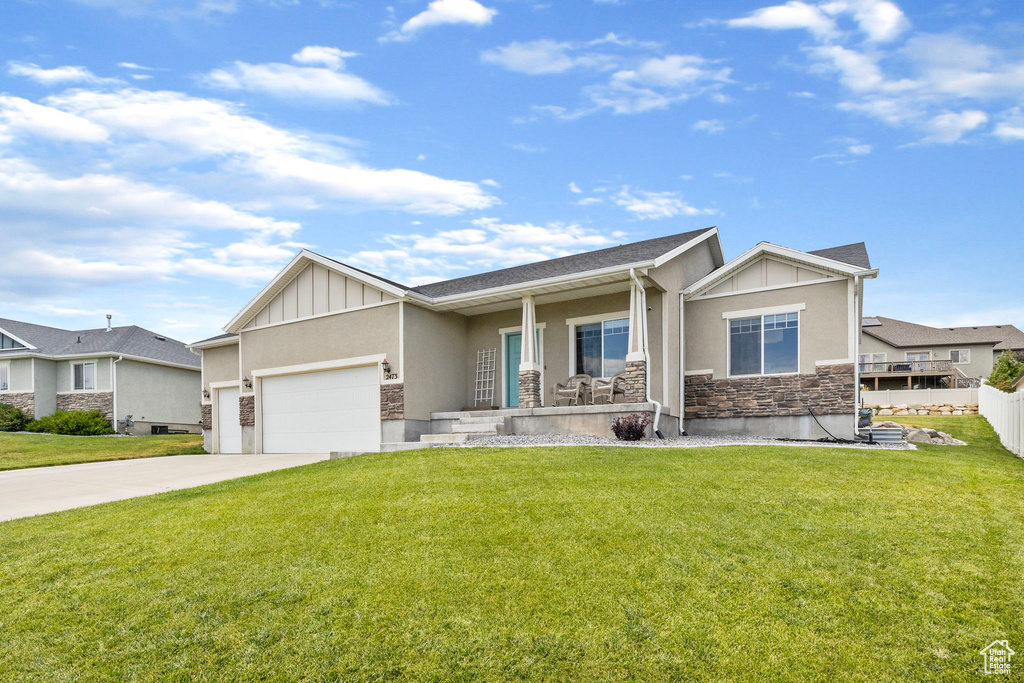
column 18, row 115
column 536, row 57
column 133, row 66
column 440, row 12
column 709, row 126
column 951, row 126
column 859, row 149
column 573, row 187
column 300, row 84
column 170, row 10
column 246, row 147
column 330, row 57
column 61, row 75
column 657, row 83
column 1011, row 127
column 587, row 201
column 792, row 15
column 655, row 205
column 879, row 19
column 98, row 199
column 489, row 244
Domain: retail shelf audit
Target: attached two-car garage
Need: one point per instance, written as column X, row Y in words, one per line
column 320, row 412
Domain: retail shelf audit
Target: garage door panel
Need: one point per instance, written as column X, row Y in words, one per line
column 319, row 412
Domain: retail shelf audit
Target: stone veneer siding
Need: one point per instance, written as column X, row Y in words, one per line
column 206, row 416
column 25, row 401
column 529, row 388
column 392, row 401
column 247, row 410
column 829, row 391
column 102, row 401
column 636, row 381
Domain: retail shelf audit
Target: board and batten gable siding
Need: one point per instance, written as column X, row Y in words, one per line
column 220, row 364
column 157, row 393
column 351, row 334
column 824, row 324
column 767, row 272
column 435, row 367
column 316, row 291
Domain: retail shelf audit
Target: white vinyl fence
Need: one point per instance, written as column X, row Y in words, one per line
column 918, row 396
column 1005, row 412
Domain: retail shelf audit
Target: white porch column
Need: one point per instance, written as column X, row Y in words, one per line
column 635, row 350
column 529, row 366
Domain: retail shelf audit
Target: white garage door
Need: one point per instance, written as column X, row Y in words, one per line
column 228, row 430
column 320, row 412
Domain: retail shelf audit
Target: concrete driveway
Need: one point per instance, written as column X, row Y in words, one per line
column 36, row 491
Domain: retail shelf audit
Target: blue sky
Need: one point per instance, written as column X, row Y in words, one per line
column 162, row 159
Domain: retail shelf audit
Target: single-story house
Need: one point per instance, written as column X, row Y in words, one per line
column 328, row 357
column 119, row 371
column 896, row 354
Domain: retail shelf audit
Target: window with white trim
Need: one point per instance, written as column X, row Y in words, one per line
column 764, row 345
column 601, row 347
column 960, row 356
column 5, row 376
column 8, row 343
column 83, row 376
column 872, row 358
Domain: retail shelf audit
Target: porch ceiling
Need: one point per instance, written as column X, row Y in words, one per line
column 611, row 283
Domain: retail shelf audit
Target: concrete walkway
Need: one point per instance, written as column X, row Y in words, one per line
column 36, row 491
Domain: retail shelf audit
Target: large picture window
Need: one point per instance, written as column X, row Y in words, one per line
column 5, row 375
column 764, row 345
column 601, row 347
column 84, row 375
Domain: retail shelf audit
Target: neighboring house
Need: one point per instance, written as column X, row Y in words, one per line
column 896, row 354
column 119, row 371
column 328, row 357
column 1018, row 385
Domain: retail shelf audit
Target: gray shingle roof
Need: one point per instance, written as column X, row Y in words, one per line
column 621, row 255
column 131, row 340
column 901, row 333
column 227, row 335
column 855, row 254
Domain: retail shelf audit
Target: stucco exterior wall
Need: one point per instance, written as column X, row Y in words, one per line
column 20, row 377
column 482, row 333
column 157, row 393
column 824, row 325
column 672, row 277
column 435, row 367
column 220, row 364
column 102, row 373
column 982, row 355
column 46, row 387
column 345, row 335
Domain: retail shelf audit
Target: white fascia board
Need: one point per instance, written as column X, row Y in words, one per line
column 525, row 287
column 766, row 248
column 291, row 270
column 767, row 310
column 669, row 255
column 104, row 354
column 233, row 341
column 17, row 339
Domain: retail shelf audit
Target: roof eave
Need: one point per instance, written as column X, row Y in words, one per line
column 214, row 343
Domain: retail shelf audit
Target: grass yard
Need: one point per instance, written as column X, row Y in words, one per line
column 571, row 564
column 37, row 450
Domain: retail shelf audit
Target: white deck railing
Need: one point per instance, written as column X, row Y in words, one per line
column 1005, row 412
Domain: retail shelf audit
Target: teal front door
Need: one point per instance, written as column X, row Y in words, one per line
column 513, row 356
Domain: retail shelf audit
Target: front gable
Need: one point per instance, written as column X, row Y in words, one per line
column 312, row 285
column 767, row 272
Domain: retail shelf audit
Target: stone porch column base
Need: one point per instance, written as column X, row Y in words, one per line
column 529, row 389
column 636, row 381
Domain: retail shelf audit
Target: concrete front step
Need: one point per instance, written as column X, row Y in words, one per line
column 490, row 419
column 452, row 438
column 490, row 428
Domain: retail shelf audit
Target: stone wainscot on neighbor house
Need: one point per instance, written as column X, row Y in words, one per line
column 118, row 370
column 328, row 357
column 895, row 354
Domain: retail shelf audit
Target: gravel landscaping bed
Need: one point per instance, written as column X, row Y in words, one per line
column 519, row 440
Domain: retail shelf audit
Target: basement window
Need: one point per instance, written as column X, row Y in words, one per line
column 84, row 375
column 764, row 345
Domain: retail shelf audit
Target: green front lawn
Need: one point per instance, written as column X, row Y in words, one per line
column 574, row 564
column 37, row 450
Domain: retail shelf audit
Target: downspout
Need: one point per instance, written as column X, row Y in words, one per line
column 682, row 366
column 647, row 353
column 856, row 353
column 113, row 391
